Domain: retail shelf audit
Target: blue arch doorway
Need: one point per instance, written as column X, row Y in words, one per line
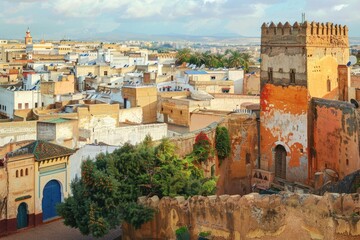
column 51, row 197
column 22, row 216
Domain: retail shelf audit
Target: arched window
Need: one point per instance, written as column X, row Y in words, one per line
column 17, row 173
column 328, row 85
column 21, row 173
column 26, row 172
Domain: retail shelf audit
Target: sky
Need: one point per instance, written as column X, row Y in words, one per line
column 81, row 19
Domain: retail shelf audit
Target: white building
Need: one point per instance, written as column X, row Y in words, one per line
column 13, row 98
column 33, row 80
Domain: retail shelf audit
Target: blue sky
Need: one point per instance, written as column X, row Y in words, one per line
column 87, row 18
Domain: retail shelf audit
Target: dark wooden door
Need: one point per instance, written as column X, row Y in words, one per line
column 280, row 162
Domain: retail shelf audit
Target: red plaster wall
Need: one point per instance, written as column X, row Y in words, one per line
column 335, row 137
column 284, row 118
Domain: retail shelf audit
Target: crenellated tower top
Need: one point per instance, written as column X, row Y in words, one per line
column 306, row 33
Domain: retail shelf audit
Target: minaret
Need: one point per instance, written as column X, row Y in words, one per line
column 28, row 38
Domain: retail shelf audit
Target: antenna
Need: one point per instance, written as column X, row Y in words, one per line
column 302, row 17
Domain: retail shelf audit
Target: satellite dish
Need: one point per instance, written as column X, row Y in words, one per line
column 355, row 103
column 352, row 60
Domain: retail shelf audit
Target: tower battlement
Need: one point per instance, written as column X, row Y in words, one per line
column 305, row 33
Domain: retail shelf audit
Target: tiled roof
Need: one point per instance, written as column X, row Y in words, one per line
column 43, row 150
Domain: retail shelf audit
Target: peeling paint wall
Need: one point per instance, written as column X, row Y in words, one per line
column 283, row 120
column 334, row 137
column 253, row 216
column 17, row 131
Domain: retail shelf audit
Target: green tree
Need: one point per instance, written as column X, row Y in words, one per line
column 197, row 58
column 183, row 55
column 107, row 192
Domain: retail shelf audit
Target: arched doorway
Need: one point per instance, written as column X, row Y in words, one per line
column 280, row 162
column 22, row 216
column 51, row 197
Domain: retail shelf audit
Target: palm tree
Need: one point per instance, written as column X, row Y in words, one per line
column 183, row 55
column 197, row 58
column 235, row 59
column 246, row 61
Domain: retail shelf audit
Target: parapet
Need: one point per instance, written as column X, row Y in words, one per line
column 313, row 28
column 300, row 33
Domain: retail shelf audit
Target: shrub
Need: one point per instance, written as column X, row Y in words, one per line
column 202, row 147
column 222, row 143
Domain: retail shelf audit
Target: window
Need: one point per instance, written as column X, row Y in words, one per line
column 181, row 112
column 17, row 173
column 105, row 73
column 328, row 85
column 19, row 105
column 26, row 172
column 36, row 105
column 292, row 75
column 26, row 105
column 21, row 173
column 225, row 90
column 212, row 77
column 270, row 75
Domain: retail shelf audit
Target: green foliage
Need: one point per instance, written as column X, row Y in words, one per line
column 222, row 143
column 107, row 192
column 231, row 59
column 205, row 234
column 182, row 233
column 181, row 230
column 202, row 149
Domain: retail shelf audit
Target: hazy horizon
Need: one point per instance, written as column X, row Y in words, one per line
column 79, row 19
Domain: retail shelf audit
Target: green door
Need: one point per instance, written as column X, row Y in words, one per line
column 22, row 216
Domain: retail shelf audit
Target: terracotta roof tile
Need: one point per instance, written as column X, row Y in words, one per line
column 43, row 150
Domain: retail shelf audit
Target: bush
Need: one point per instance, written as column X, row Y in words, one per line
column 222, row 143
column 202, row 147
column 182, row 233
column 204, row 234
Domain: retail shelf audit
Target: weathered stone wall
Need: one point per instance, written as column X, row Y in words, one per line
column 254, row 216
column 133, row 115
column 133, row 134
column 234, row 172
column 17, row 131
column 334, row 137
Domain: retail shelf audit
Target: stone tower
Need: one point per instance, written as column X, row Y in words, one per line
column 299, row 61
column 28, row 38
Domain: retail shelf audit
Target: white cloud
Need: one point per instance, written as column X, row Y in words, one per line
column 340, row 7
column 20, row 20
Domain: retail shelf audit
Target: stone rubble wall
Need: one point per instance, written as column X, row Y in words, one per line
column 282, row 216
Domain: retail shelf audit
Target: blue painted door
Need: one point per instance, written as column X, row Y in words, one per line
column 51, row 197
column 22, row 216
